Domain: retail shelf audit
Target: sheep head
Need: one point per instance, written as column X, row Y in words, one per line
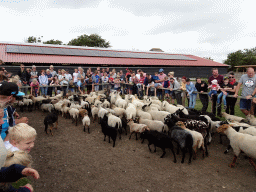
column 181, row 124
column 222, row 128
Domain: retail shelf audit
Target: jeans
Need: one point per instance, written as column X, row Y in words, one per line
column 44, row 91
column 224, row 98
column 96, row 87
column 214, row 92
column 192, row 100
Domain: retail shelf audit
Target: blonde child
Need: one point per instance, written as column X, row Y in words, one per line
column 21, row 158
column 21, row 137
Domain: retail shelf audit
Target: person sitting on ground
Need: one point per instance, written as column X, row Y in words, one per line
column 214, row 88
column 34, row 87
column 225, row 87
column 191, row 93
column 21, row 137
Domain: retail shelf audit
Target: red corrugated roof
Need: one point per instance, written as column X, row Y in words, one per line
column 62, row 59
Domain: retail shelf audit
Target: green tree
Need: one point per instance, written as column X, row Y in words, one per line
column 31, row 39
column 52, row 41
column 93, row 40
column 235, row 59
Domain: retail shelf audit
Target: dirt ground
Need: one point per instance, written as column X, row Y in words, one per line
column 73, row 160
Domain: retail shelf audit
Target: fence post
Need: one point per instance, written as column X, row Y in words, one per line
column 184, row 98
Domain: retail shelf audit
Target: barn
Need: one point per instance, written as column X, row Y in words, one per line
column 70, row 57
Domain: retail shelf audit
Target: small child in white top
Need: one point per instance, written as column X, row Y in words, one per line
column 21, row 137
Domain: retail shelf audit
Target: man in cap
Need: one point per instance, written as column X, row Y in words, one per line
column 9, row 92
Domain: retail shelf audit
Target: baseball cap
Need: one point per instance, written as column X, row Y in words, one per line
column 225, row 78
column 9, row 88
column 161, row 70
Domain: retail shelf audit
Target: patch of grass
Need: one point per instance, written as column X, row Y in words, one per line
column 21, row 182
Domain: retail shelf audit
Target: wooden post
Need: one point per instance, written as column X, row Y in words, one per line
column 184, row 98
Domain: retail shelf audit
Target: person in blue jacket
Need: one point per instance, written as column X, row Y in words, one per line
column 190, row 87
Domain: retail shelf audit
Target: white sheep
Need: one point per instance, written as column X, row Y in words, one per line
column 143, row 114
column 154, row 125
column 74, row 113
column 159, row 115
column 106, row 104
column 47, row 107
column 77, row 106
column 114, row 121
column 131, row 111
column 86, row 122
column 168, row 107
column 136, row 128
column 240, row 142
column 232, row 117
column 120, row 112
column 64, row 110
column 252, row 119
column 94, row 111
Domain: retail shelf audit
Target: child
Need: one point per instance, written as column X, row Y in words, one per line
column 21, row 137
column 34, row 87
column 214, row 87
column 117, row 83
column 224, row 92
column 96, row 80
column 166, row 85
column 21, row 158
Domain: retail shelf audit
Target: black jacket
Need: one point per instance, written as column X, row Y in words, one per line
column 200, row 88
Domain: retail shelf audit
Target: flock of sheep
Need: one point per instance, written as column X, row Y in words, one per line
column 164, row 125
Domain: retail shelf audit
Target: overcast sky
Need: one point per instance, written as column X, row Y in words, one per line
column 198, row 27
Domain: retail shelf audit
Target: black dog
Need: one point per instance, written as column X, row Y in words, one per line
column 49, row 120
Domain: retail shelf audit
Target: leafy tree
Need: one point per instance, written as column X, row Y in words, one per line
column 31, row 39
column 52, row 41
column 93, row 40
column 238, row 58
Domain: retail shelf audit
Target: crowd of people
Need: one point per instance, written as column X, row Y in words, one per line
column 160, row 84
column 18, row 137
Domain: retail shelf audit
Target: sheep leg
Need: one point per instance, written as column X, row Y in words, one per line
column 252, row 163
column 155, row 148
column 120, row 132
column 149, row 146
column 228, row 148
column 194, row 152
column 164, row 152
column 136, row 136
column 109, row 139
column 183, row 155
column 84, row 128
column 114, row 142
column 51, row 128
column 76, row 121
column 190, row 154
column 56, row 125
column 104, row 137
column 88, row 129
column 233, row 162
column 175, row 160
column 205, row 145
column 131, row 134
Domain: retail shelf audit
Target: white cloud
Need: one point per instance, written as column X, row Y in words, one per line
column 199, row 27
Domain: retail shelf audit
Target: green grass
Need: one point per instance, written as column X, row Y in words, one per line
column 21, row 182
